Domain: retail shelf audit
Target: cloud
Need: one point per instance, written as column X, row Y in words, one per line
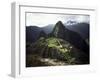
column 40, row 19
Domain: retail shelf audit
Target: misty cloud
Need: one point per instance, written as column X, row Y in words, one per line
column 40, row 19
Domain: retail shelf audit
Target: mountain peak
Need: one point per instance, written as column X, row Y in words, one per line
column 59, row 23
column 71, row 22
column 58, row 30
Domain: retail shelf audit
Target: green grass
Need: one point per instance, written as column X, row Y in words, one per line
column 55, row 43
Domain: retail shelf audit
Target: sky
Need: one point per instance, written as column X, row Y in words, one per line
column 41, row 19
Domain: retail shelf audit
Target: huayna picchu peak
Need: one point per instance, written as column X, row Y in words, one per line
column 58, row 30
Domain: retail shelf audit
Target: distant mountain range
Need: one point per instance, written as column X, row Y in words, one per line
column 81, row 28
column 32, row 32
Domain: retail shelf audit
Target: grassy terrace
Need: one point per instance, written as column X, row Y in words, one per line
column 55, row 42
